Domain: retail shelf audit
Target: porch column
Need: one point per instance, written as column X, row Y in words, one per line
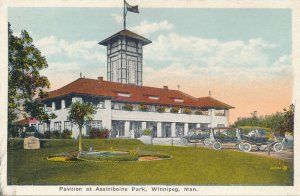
column 144, row 126
column 63, row 104
column 127, row 126
column 53, row 106
column 159, row 131
column 186, row 128
column 173, row 129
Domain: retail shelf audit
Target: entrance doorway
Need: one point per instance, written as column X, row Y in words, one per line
column 166, row 130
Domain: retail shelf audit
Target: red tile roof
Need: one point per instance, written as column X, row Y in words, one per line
column 126, row 33
column 25, row 121
column 138, row 94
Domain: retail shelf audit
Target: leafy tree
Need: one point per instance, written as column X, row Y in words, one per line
column 288, row 123
column 24, row 80
column 280, row 122
column 79, row 114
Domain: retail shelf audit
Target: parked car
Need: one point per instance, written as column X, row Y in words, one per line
column 203, row 135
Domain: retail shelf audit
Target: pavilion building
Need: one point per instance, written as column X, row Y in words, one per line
column 127, row 107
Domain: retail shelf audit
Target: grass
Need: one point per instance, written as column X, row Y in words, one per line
column 193, row 166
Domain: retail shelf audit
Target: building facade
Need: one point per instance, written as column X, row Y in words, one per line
column 127, row 107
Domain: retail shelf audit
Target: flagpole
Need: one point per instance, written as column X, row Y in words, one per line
column 124, row 16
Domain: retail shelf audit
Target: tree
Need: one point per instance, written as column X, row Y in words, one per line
column 25, row 84
column 79, row 114
column 288, row 122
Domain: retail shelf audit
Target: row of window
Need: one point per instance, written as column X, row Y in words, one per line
column 153, row 108
column 68, row 126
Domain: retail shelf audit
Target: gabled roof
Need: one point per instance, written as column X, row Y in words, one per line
column 137, row 94
column 126, row 33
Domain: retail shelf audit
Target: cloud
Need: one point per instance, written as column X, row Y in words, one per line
column 145, row 28
column 117, row 18
column 81, row 50
column 208, row 52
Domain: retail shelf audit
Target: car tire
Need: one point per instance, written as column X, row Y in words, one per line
column 278, row 147
column 206, row 141
column 247, row 147
column 184, row 141
column 217, row 145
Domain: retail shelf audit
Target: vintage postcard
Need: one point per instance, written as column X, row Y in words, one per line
column 136, row 97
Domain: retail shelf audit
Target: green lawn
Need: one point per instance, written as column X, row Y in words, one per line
column 193, row 166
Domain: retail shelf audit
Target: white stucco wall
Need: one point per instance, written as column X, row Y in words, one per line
column 107, row 115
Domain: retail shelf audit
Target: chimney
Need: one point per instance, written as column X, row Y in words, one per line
column 166, row 87
column 100, row 78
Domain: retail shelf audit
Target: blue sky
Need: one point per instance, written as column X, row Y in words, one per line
column 196, row 48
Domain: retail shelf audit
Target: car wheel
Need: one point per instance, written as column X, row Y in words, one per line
column 247, row 147
column 278, row 147
column 241, row 146
column 206, row 141
column 184, row 141
column 217, row 145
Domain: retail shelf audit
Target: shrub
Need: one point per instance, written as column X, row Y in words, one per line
column 31, row 129
column 97, row 133
column 174, row 110
column 47, row 134
column 187, row 111
column 66, row 134
column 143, row 108
column 199, row 112
column 104, row 133
column 128, row 107
column 56, row 135
column 147, row 132
column 13, row 131
column 160, row 109
column 94, row 133
column 38, row 134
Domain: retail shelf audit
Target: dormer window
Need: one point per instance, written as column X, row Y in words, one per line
column 124, row 94
column 154, row 97
column 178, row 100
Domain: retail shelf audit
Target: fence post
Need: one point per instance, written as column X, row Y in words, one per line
column 172, row 142
column 151, row 140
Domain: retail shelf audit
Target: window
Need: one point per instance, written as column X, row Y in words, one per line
column 57, row 126
column 41, row 127
column 118, row 128
column 178, row 100
column 154, row 97
column 95, row 124
column 101, row 104
column 204, row 125
column 118, row 106
column 153, row 127
column 192, row 126
column 124, row 94
column 220, row 125
column 67, row 125
column 136, row 128
column 179, row 129
column 220, row 112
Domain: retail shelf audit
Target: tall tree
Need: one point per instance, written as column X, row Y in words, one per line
column 24, row 80
column 79, row 114
column 288, row 123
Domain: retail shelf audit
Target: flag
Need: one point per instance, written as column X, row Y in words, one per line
column 132, row 8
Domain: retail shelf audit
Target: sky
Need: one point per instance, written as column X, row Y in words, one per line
column 243, row 56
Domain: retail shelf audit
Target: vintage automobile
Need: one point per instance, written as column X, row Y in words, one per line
column 261, row 138
column 203, row 135
column 244, row 138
